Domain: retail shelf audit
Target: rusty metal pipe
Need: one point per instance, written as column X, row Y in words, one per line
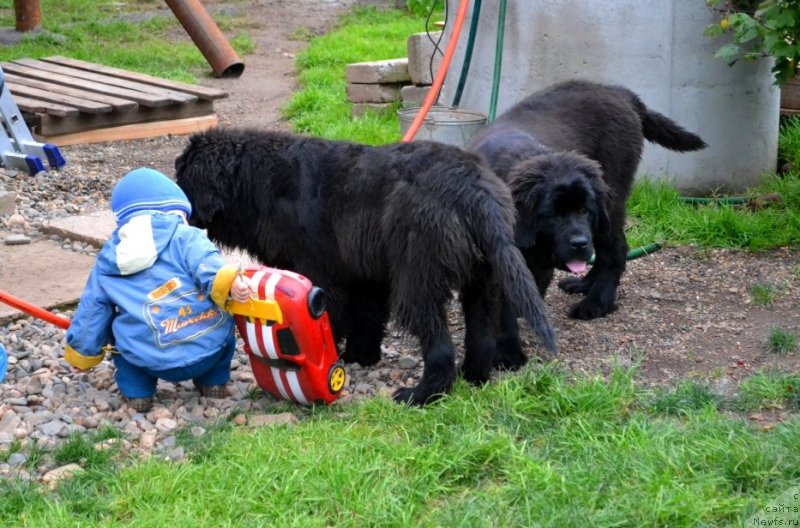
column 28, row 15
column 207, row 37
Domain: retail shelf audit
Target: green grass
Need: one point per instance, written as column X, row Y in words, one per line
column 532, row 449
column 789, row 142
column 782, row 341
column 770, row 390
column 763, row 294
column 132, row 35
column 659, row 215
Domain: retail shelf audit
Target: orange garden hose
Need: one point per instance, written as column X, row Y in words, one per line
column 39, row 313
column 433, row 93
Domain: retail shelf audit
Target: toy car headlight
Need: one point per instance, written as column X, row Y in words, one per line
column 317, row 302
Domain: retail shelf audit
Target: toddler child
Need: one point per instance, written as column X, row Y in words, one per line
column 157, row 294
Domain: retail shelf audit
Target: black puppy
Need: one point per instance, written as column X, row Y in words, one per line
column 390, row 229
column 570, row 154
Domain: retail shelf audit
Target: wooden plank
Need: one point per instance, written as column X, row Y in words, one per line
column 50, row 125
column 90, row 107
column 205, row 93
column 116, row 103
column 137, row 131
column 177, row 97
column 144, row 99
column 35, row 106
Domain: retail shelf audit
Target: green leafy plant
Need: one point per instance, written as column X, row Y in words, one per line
column 759, row 29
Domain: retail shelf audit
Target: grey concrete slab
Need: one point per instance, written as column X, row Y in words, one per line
column 94, row 228
column 41, row 273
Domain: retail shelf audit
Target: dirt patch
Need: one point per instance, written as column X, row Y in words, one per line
column 683, row 313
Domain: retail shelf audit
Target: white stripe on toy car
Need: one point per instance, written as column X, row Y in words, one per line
column 297, row 391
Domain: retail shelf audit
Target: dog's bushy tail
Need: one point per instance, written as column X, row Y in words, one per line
column 660, row 129
column 494, row 236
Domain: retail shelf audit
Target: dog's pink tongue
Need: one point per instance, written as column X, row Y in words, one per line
column 576, row 266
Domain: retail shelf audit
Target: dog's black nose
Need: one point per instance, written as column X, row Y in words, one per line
column 578, row 242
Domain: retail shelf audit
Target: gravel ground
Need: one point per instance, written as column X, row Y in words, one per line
column 684, row 312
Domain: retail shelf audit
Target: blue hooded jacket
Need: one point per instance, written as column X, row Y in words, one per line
column 157, row 293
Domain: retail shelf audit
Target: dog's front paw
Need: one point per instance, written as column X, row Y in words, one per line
column 575, row 285
column 415, row 396
column 511, row 360
column 588, row 309
column 476, row 376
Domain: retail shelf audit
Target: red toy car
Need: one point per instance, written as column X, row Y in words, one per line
column 287, row 336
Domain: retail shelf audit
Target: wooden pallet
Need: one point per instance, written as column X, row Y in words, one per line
column 64, row 99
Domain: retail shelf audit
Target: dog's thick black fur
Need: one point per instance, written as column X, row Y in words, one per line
column 384, row 230
column 570, row 154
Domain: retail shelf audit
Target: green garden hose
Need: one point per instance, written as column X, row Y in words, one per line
column 498, row 60
column 729, row 200
column 638, row 252
column 473, row 31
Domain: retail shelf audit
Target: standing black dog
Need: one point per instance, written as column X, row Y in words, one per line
column 570, row 154
column 390, row 229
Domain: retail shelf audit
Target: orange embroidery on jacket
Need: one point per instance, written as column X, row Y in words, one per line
column 165, row 289
column 174, row 324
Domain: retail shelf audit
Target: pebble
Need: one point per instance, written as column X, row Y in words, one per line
column 17, row 240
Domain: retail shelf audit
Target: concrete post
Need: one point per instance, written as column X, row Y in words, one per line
column 653, row 47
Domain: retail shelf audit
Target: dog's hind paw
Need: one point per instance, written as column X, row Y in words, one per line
column 591, row 310
column 575, row 285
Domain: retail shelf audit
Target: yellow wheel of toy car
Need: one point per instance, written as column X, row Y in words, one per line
column 336, row 378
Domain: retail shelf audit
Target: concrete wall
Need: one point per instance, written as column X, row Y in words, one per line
column 654, row 47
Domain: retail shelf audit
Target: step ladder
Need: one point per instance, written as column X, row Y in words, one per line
column 18, row 150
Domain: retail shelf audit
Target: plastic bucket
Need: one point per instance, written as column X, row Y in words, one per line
column 453, row 126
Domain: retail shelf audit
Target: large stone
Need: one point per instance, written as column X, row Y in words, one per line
column 379, row 72
column 373, row 93
column 420, row 49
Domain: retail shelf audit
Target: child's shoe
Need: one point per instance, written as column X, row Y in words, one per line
column 213, row 391
column 141, row 405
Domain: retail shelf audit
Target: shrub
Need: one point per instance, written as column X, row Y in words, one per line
column 759, row 29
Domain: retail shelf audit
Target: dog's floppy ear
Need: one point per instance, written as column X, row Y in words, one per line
column 527, row 181
column 602, row 192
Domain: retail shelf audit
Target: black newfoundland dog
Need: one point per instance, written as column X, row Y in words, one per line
column 383, row 230
column 570, row 154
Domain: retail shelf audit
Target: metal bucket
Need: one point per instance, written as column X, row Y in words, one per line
column 453, row 126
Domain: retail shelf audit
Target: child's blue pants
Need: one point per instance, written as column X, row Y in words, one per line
column 138, row 382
